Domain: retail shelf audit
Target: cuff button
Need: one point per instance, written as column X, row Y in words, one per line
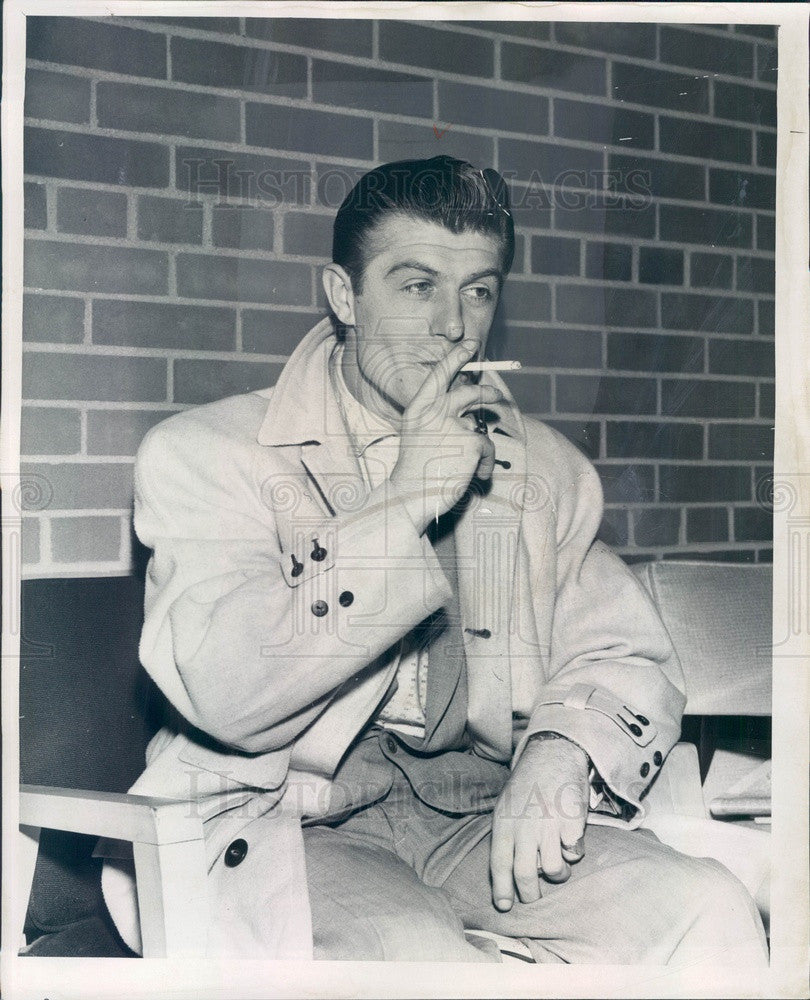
column 645, row 769
column 346, row 598
column 235, row 853
column 319, row 608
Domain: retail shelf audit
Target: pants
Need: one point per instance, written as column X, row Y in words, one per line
column 402, row 880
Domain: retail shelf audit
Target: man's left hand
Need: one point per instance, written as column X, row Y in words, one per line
column 539, row 820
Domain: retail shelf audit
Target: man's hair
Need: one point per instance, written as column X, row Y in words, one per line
column 444, row 190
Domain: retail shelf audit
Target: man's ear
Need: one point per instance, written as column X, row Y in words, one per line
column 338, row 287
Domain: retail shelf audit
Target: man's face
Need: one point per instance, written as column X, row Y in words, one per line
column 424, row 288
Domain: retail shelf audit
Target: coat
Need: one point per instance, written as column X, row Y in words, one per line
column 269, row 625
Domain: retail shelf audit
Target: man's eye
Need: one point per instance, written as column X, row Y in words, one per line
column 479, row 292
column 418, row 287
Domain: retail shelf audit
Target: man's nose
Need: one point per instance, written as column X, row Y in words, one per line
column 450, row 322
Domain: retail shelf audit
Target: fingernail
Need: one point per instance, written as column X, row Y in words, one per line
column 503, row 904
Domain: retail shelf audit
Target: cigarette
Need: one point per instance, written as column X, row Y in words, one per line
column 491, row 366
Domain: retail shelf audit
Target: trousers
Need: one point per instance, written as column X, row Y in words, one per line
column 400, row 879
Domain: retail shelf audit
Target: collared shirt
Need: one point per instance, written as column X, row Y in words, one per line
column 376, row 446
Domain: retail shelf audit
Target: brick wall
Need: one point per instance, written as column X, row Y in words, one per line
column 181, row 176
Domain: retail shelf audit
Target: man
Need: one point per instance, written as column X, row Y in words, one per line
column 406, row 671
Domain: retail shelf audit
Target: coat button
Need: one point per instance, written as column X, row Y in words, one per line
column 318, row 552
column 235, row 853
column 319, row 608
column 297, row 567
column 345, row 598
column 391, row 744
column 658, row 758
column 645, row 769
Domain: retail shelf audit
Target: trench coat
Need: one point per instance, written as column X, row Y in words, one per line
column 280, row 584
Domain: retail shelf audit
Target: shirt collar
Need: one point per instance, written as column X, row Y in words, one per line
column 364, row 427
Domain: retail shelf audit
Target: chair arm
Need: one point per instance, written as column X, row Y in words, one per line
column 135, row 818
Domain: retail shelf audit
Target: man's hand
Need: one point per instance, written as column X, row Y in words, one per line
column 439, row 451
column 539, row 820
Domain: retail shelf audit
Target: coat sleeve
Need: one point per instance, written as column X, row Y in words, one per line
column 247, row 650
column 615, row 686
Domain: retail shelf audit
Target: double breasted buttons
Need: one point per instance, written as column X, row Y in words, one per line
column 391, row 744
column 642, row 720
column 482, row 633
column 297, row 567
column 235, row 853
column 645, row 769
column 318, row 553
column 658, row 758
column 345, row 598
column 319, row 608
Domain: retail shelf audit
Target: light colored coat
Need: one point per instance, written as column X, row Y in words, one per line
column 234, row 496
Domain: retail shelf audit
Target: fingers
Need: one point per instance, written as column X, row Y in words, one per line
column 443, row 372
column 501, row 858
column 466, row 397
column 486, row 463
column 551, row 859
column 525, row 866
column 574, row 852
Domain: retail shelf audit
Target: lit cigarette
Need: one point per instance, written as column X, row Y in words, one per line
column 491, row 366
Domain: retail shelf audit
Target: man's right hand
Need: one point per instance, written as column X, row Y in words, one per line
column 439, row 451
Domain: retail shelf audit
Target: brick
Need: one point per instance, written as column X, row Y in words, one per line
column 243, row 227
column 99, row 158
column 371, row 89
column 82, row 485
column 532, row 392
column 643, row 439
column 757, row 30
column 725, row 556
column 707, row 226
column 753, row 524
column 518, row 266
column 655, row 352
column 609, row 261
column 173, row 325
column 605, row 124
column 704, row 483
column 35, row 209
column 204, row 381
column 95, row 213
column 614, row 529
column 486, row 107
column 605, row 394
column 238, row 67
column 691, row 398
column 567, row 348
column 710, row 270
column 585, row 435
column 57, row 96
column 449, row 51
column 743, row 188
column 333, row 182
column 766, row 232
column 682, row 47
column 49, row 431
column 528, row 209
column 85, row 539
column 167, row 111
column 767, row 58
column 397, row 141
column 765, row 310
column 308, row 234
column 705, row 140
column 555, row 255
column 349, row 36
column 553, row 68
column 107, row 378
column 657, row 526
column 539, row 30
column 30, row 541
column 659, row 89
column 241, row 279
column 221, row 25
column 707, row 524
column 169, row 220
column 53, row 319
column 627, row 483
column 119, row 432
column 741, row 357
column 270, row 180
column 74, row 41
column 756, row 274
column 550, row 163
column 766, row 399
column 764, row 555
column 660, row 267
column 606, row 215
column 746, row 442
column 596, row 305
column 303, row 130
column 266, row 331
column 526, row 301
column 83, row 267
column 745, row 104
column 627, row 39
column 662, row 178
column 766, row 149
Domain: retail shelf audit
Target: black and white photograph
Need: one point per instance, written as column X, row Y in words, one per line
column 405, row 517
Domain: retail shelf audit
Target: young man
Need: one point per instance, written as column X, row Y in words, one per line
column 406, row 671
